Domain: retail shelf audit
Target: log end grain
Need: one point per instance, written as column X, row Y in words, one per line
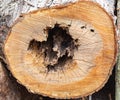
column 63, row 52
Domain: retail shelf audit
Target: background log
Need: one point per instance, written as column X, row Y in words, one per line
column 118, row 60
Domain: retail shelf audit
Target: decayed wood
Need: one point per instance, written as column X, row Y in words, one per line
column 89, row 50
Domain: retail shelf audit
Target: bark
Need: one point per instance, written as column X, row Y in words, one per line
column 118, row 60
column 7, row 90
column 11, row 9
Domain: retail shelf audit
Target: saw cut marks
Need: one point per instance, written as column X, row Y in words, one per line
column 62, row 52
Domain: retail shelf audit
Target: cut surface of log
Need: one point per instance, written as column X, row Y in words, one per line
column 63, row 52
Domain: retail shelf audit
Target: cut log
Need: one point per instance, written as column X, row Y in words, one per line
column 63, row 52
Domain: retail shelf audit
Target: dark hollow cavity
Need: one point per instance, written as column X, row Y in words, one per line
column 57, row 50
column 92, row 30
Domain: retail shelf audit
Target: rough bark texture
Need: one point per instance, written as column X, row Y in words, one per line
column 118, row 60
column 7, row 90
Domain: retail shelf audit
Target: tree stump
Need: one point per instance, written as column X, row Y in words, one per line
column 63, row 52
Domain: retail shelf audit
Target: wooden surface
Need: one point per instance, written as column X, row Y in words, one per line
column 10, row 9
column 103, row 59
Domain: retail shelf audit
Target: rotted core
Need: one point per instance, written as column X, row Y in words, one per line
column 58, row 49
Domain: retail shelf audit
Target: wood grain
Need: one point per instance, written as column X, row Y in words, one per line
column 73, row 83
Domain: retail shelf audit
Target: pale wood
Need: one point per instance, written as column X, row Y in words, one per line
column 98, row 55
